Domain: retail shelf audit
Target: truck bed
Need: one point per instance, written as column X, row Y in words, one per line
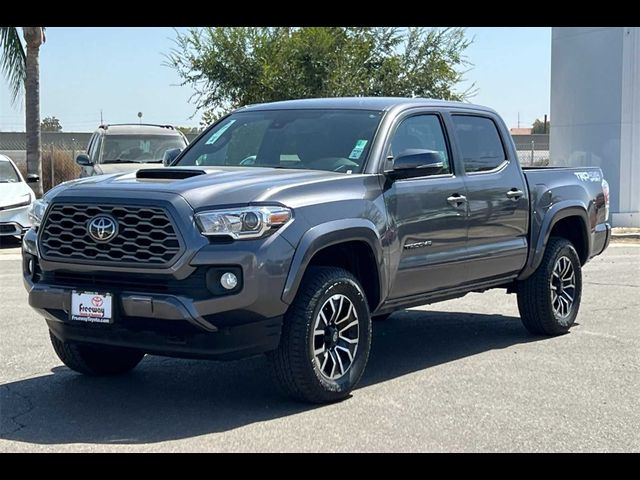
column 557, row 188
column 589, row 178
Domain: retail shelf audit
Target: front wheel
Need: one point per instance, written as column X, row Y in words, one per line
column 326, row 338
column 550, row 298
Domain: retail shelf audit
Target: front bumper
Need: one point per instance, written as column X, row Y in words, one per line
column 14, row 221
column 176, row 317
column 227, row 344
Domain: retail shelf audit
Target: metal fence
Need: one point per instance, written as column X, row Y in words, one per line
column 59, row 150
column 533, row 158
column 58, row 165
column 533, row 150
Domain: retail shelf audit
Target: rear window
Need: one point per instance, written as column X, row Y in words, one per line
column 480, row 143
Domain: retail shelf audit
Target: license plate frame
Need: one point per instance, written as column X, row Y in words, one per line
column 91, row 307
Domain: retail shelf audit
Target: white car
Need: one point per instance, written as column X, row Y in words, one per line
column 15, row 199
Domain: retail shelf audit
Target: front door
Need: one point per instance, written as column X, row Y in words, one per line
column 428, row 214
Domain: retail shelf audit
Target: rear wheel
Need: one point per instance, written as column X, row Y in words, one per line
column 326, row 338
column 550, row 298
column 91, row 359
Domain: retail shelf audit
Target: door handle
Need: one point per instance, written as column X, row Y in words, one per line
column 514, row 194
column 456, row 200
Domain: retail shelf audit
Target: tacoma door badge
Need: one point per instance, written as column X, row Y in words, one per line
column 414, row 245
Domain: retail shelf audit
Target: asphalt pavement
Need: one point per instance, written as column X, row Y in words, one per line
column 462, row 375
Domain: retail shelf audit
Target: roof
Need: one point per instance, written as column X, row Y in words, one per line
column 520, row 131
column 4, row 158
column 137, row 129
column 360, row 103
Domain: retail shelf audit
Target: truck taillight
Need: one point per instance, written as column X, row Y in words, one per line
column 605, row 190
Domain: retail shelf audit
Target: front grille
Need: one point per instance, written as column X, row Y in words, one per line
column 146, row 236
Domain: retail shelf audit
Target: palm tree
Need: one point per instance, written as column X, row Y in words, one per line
column 23, row 69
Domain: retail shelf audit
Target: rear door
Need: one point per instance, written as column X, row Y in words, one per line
column 498, row 203
column 429, row 224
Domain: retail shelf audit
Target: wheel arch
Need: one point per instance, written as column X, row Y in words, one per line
column 353, row 244
column 568, row 220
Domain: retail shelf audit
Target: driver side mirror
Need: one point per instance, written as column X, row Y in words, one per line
column 416, row 163
column 83, row 160
column 33, row 178
column 170, row 155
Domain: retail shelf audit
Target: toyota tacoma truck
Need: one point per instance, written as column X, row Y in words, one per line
column 286, row 227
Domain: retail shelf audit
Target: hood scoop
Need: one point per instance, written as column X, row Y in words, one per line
column 168, row 173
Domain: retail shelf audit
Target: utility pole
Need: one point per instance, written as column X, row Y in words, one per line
column 518, row 119
column 545, row 123
column 101, row 121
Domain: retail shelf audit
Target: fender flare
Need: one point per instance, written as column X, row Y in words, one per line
column 325, row 235
column 559, row 211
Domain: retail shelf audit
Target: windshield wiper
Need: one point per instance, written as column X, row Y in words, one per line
column 119, row 160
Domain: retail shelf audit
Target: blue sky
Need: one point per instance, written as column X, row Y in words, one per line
column 121, row 71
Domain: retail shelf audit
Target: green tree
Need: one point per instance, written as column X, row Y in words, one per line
column 189, row 130
column 539, row 127
column 22, row 70
column 233, row 66
column 51, row 124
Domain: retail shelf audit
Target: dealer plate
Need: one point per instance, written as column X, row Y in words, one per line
column 91, row 307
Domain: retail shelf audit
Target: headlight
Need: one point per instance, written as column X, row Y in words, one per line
column 23, row 201
column 36, row 212
column 240, row 223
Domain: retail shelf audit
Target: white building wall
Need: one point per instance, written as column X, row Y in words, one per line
column 595, row 109
column 629, row 207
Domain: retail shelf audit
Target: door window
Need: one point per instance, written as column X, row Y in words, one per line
column 479, row 142
column 421, row 132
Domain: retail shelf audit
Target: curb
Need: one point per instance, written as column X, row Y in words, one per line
column 625, row 234
column 625, row 237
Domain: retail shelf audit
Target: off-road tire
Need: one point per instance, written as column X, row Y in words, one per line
column 293, row 364
column 534, row 293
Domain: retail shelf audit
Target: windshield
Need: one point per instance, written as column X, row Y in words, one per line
column 333, row 140
column 138, row 148
column 8, row 174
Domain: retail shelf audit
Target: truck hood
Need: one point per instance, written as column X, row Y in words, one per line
column 212, row 186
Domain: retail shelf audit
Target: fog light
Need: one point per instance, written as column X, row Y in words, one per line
column 30, row 267
column 228, row 280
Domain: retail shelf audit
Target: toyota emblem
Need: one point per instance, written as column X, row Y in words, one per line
column 102, row 228
column 97, row 301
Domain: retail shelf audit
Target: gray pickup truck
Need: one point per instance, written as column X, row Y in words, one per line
column 285, row 228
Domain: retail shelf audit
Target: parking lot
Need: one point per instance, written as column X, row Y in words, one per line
column 462, row 375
